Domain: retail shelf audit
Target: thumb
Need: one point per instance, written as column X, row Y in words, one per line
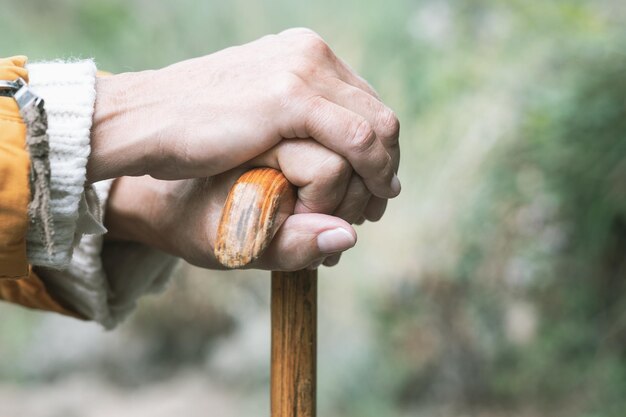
column 304, row 239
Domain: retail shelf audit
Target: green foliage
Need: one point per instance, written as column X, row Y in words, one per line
column 577, row 145
column 548, row 227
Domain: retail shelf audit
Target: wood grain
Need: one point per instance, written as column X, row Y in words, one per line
column 294, row 344
column 256, row 206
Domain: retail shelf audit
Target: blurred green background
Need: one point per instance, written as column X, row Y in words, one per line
column 494, row 286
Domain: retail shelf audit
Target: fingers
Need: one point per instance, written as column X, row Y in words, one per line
column 375, row 209
column 342, row 112
column 304, row 239
column 326, row 182
column 386, row 126
column 347, row 74
column 353, row 205
column 321, row 175
column 332, row 260
column 352, row 136
column 382, row 119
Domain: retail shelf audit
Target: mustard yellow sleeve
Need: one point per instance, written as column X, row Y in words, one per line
column 18, row 284
column 14, row 171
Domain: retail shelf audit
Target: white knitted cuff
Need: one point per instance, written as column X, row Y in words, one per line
column 68, row 90
column 101, row 282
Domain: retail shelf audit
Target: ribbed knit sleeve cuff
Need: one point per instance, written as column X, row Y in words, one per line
column 100, row 281
column 68, row 90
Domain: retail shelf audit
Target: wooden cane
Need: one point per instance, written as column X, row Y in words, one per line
column 256, row 206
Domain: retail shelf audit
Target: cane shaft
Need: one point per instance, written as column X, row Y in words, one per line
column 294, row 344
column 256, row 206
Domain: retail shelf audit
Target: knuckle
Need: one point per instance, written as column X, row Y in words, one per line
column 358, row 195
column 328, row 183
column 390, row 126
column 337, row 167
column 313, row 53
column 314, row 46
column 316, row 109
column 288, row 85
column 355, row 199
column 387, row 171
column 361, row 136
column 306, row 68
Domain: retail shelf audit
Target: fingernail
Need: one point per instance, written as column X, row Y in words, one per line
column 335, row 240
column 395, row 185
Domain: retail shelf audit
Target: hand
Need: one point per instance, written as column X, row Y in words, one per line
column 181, row 218
column 205, row 116
column 326, row 183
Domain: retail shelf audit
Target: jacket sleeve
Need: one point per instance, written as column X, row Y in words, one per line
column 85, row 276
column 14, row 187
column 18, row 282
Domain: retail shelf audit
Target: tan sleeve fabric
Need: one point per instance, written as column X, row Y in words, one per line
column 31, row 292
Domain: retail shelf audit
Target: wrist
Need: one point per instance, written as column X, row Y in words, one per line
column 120, row 134
column 128, row 212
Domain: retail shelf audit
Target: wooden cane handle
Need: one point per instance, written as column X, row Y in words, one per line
column 256, row 206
